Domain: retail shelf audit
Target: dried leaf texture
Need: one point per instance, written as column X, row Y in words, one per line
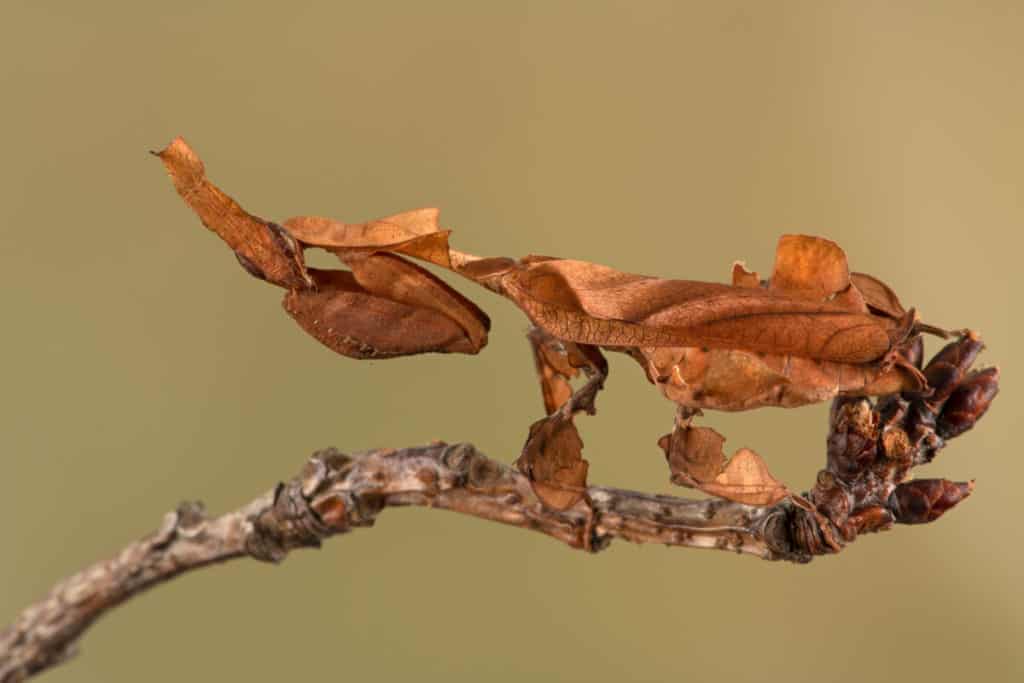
column 386, row 307
column 696, row 459
column 879, row 296
column 594, row 304
column 552, row 457
column 809, row 267
column 811, row 332
column 264, row 248
column 741, row 277
column 392, row 277
column 553, row 460
column 722, row 379
column 414, row 233
column 746, row 479
column 346, row 318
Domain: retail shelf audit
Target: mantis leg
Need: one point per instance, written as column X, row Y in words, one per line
column 696, row 459
column 385, row 307
column 392, row 277
column 558, row 362
column 552, row 457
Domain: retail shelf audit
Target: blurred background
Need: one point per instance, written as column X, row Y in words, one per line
column 142, row 366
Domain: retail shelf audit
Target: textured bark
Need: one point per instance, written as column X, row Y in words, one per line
column 335, row 493
column 864, row 487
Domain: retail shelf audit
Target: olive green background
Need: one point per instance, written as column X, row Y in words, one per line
column 141, row 365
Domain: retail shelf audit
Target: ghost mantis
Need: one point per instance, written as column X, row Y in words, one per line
column 810, row 332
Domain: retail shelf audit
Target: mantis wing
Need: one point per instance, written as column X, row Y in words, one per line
column 814, row 310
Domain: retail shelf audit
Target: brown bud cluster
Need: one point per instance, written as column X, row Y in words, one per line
column 946, row 370
column 968, row 402
column 925, row 500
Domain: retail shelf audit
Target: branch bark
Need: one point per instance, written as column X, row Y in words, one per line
column 863, row 488
column 335, row 493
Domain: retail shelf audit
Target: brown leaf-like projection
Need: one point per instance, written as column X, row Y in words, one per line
column 414, row 233
column 386, row 307
column 878, row 295
column 811, row 267
column 741, row 277
column 694, row 455
column 552, row 457
column 553, row 460
column 746, row 479
column 392, row 277
column 697, row 460
column 264, row 248
column 593, row 304
column 348, row 319
column 812, row 332
column 724, row 379
column 815, row 268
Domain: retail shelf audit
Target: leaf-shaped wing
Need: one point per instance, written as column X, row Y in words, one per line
column 593, row 304
column 415, row 233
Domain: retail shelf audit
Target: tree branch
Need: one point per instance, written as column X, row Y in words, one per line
column 335, row 493
column 863, row 488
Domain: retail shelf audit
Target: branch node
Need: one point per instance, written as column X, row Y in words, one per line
column 190, row 519
column 286, row 524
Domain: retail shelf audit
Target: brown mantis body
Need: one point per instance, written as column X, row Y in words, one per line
column 810, row 332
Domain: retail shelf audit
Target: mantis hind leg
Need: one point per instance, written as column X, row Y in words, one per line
column 697, row 460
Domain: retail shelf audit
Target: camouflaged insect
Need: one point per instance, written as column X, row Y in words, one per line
column 811, row 331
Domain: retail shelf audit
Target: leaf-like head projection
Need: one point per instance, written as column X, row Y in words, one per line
column 264, row 248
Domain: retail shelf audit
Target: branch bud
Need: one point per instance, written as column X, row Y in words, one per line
column 925, row 500
column 968, row 403
column 947, row 368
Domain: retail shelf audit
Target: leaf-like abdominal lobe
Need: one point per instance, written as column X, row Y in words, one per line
column 592, row 304
column 809, row 267
column 878, row 295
